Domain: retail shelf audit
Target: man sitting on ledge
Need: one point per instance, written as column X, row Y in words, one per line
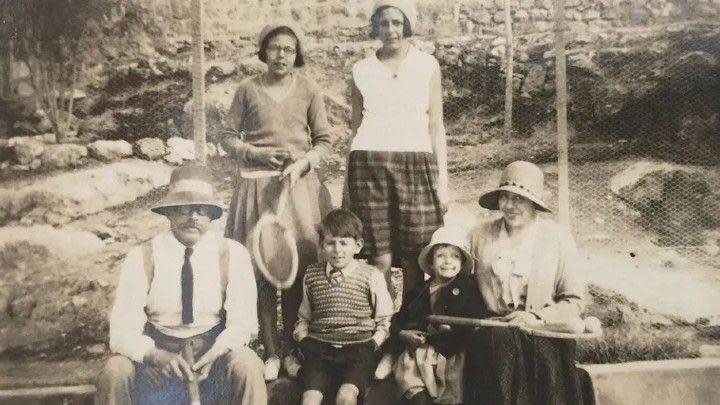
column 188, row 286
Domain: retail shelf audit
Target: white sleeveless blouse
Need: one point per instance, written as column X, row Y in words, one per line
column 395, row 106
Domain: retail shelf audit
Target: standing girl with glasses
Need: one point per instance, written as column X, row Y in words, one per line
column 279, row 131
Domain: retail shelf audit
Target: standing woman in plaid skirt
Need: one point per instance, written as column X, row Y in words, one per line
column 279, row 130
column 397, row 179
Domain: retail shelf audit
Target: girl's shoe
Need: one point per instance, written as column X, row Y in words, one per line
column 272, row 368
column 385, row 367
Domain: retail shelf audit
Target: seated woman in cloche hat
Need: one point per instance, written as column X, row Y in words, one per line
column 528, row 272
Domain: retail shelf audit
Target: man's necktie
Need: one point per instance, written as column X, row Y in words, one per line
column 186, row 281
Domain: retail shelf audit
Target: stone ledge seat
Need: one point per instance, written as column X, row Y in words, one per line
column 664, row 382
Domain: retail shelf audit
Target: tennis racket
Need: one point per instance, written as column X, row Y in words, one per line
column 273, row 244
column 591, row 330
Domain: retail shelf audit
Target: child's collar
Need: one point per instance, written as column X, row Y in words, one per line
column 345, row 270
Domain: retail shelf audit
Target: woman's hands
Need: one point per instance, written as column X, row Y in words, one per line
column 279, row 159
column 296, row 170
column 270, row 157
column 522, row 318
column 413, row 338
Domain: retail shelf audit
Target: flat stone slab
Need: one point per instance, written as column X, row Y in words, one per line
column 65, row 243
column 666, row 382
column 53, row 382
column 33, row 374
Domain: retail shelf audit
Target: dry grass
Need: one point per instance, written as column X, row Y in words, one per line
column 633, row 334
column 636, row 343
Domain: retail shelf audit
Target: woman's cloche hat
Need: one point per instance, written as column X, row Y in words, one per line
column 522, row 178
column 190, row 185
column 268, row 29
column 406, row 6
column 447, row 235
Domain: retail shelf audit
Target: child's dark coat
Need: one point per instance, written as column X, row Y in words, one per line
column 460, row 297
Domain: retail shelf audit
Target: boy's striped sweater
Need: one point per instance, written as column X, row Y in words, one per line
column 341, row 312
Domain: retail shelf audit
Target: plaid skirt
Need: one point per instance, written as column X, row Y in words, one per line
column 395, row 196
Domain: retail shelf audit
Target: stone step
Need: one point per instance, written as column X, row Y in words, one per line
column 281, row 392
column 665, row 382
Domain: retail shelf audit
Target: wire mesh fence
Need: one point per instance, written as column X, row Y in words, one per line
column 643, row 84
column 644, row 128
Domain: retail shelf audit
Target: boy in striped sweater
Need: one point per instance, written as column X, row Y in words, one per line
column 344, row 315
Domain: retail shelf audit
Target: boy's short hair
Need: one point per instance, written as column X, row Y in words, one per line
column 341, row 223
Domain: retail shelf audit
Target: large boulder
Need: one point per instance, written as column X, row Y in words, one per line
column 63, row 155
column 681, row 204
column 534, row 80
column 28, row 151
column 46, row 138
column 65, row 244
column 22, row 307
column 179, row 150
column 110, row 150
column 150, row 148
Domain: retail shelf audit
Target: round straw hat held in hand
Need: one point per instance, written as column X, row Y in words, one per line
column 522, row 178
column 447, row 235
column 273, row 244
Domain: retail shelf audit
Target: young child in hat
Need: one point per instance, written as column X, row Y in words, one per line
column 344, row 316
column 430, row 369
column 188, row 287
column 279, row 131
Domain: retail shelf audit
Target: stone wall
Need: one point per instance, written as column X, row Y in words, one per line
column 244, row 18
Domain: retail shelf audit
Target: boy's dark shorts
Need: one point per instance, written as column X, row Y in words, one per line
column 324, row 364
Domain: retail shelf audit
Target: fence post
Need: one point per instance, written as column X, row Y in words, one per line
column 198, row 81
column 561, row 115
column 509, row 56
column 6, row 70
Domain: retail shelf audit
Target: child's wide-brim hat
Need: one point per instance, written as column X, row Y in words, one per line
column 268, row 29
column 522, row 178
column 447, row 235
column 190, row 185
column 406, row 6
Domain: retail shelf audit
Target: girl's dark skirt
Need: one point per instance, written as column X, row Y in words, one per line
column 506, row 366
column 395, row 195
